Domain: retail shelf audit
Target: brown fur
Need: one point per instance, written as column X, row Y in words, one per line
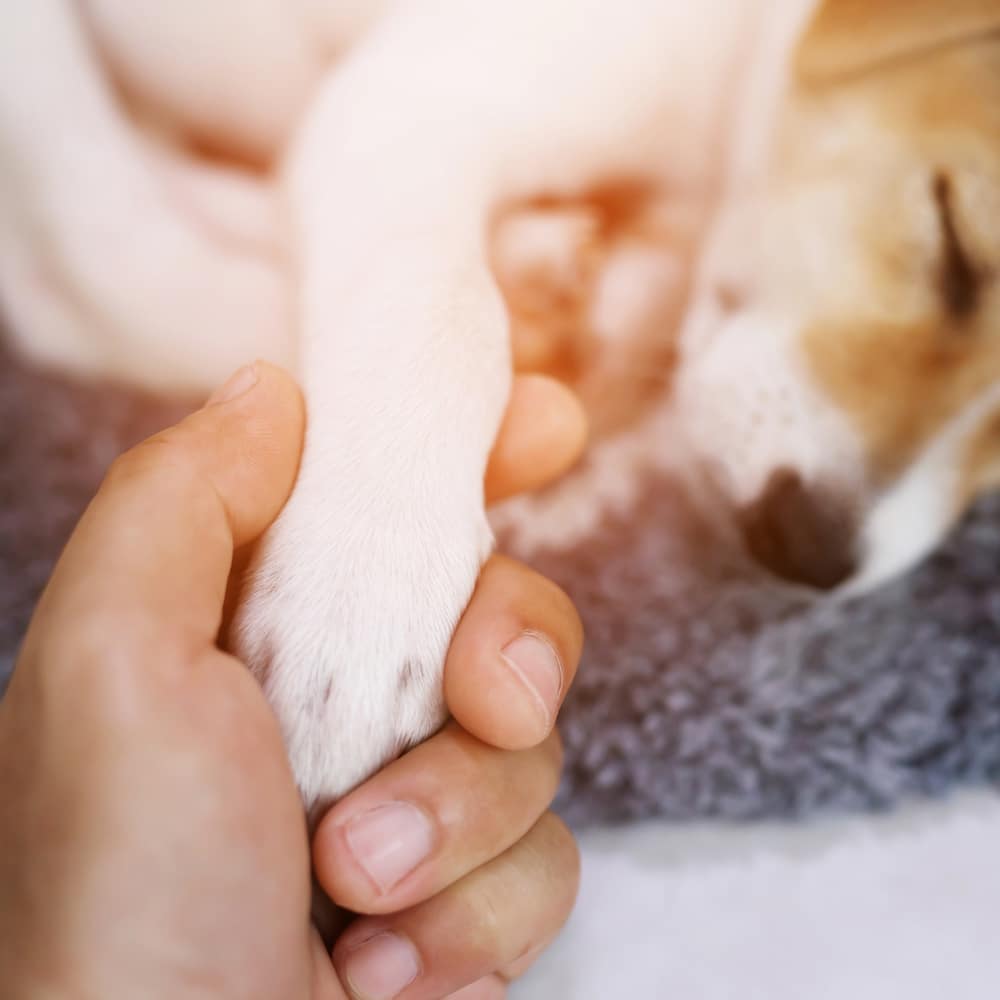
column 851, row 37
column 905, row 359
column 905, row 367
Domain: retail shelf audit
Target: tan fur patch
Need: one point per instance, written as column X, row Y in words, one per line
column 902, row 379
column 851, row 37
column 901, row 385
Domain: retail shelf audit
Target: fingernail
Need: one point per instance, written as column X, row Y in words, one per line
column 388, row 842
column 534, row 661
column 382, row 967
column 239, row 383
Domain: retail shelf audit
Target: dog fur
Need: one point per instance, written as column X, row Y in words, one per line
column 870, row 305
column 823, row 348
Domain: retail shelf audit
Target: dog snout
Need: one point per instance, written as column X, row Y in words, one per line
column 803, row 534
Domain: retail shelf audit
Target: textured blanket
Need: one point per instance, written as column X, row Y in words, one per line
column 705, row 691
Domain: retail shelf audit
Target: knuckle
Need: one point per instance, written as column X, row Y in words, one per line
column 512, row 789
column 562, row 611
column 474, row 922
column 554, row 753
column 560, row 853
column 162, row 459
column 468, row 757
column 100, row 675
column 169, row 466
column 116, row 665
column 568, row 611
column 519, row 899
column 487, row 927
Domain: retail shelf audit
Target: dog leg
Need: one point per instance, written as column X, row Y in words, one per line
column 447, row 113
column 240, row 89
column 105, row 267
column 358, row 586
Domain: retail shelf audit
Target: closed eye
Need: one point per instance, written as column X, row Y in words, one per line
column 959, row 279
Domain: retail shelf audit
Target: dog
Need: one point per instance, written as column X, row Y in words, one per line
column 864, row 325
column 399, row 163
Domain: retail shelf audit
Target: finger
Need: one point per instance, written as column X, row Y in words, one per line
column 489, row 988
column 513, row 656
column 483, row 923
column 325, row 984
column 543, row 434
column 516, row 969
column 431, row 817
column 149, row 561
column 538, row 347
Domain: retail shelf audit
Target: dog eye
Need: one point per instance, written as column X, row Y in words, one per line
column 959, row 279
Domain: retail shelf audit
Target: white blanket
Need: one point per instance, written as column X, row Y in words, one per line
column 900, row 907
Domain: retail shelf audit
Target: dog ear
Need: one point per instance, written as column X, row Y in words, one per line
column 849, row 38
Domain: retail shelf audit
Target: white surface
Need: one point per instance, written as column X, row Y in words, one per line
column 904, row 906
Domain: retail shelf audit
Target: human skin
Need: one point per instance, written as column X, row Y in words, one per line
column 152, row 841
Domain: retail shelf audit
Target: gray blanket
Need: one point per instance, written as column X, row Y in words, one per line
column 703, row 692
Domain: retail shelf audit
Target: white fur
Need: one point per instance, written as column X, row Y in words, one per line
column 748, row 394
column 791, row 243
column 388, row 137
column 103, row 265
column 404, row 341
column 908, row 521
column 395, row 159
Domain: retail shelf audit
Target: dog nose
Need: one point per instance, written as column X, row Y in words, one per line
column 801, row 534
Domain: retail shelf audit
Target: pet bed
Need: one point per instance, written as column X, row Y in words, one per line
column 704, row 692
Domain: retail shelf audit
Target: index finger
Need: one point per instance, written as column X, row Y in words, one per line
column 150, row 559
column 544, row 432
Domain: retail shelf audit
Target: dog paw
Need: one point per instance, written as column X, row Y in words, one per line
column 346, row 619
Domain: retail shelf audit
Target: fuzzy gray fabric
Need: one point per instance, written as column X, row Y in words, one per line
column 703, row 692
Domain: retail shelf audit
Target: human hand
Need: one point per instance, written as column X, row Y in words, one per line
column 151, row 839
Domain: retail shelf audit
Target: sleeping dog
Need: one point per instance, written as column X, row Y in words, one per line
column 840, row 370
column 848, row 308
